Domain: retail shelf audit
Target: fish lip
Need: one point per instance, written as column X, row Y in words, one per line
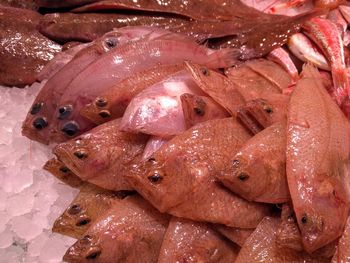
column 34, row 136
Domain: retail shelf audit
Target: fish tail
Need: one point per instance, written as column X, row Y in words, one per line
column 341, row 84
column 224, row 58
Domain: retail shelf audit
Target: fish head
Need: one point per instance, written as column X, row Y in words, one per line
column 101, row 110
column 165, row 183
column 85, row 155
column 62, row 172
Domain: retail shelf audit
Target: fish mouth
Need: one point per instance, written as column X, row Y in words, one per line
column 65, row 157
column 33, row 135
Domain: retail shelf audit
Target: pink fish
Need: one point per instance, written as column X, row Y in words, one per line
column 281, row 57
column 153, row 144
column 342, row 254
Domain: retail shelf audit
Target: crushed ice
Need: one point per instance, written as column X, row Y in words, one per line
column 30, row 198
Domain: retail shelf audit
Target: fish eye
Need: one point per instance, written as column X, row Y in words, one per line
column 64, row 169
column 155, row 178
column 199, row 111
column 70, row 128
column 243, row 176
column 104, row 114
column 40, row 123
column 205, row 71
column 83, row 221
column 93, row 253
column 74, row 209
column 101, row 102
column 64, row 111
column 80, row 154
column 111, row 42
column 36, row 108
column 304, row 219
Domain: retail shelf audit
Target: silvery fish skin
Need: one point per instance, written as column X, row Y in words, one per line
column 129, row 231
column 179, row 177
column 113, row 102
column 317, row 161
column 258, row 170
column 197, row 109
column 189, row 241
column 122, row 63
column 86, row 207
column 103, row 156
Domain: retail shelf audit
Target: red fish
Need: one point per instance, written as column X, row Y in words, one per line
column 236, row 235
column 318, row 149
column 342, row 253
column 281, row 57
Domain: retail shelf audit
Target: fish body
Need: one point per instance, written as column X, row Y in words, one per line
column 153, row 144
column 103, row 156
column 342, row 253
column 179, row 177
column 236, row 235
column 317, row 161
column 281, row 57
column 257, row 171
column 130, row 231
column 189, row 241
column 113, row 102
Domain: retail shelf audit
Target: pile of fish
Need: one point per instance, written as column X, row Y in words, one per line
column 196, row 131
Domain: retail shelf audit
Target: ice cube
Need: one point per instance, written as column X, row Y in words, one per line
column 25, row 228
column 6, row 238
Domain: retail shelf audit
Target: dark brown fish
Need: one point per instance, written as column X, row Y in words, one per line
column 103, row 156
column 236, row 235
column 258, row 170
column 65, row 27
column 197, row 109
column 62, row 3
column 189, row 241
column 26, row 4
column 130, row 231
column 86, row 207
column 179, row 177
column 23, row 50
column 113, row 102
column 62, row 172
column 261, row 113
column 318, row 149
column 261, row 246
column 217, row 86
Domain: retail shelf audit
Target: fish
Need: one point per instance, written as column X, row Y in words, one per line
column 250, row 84
column 103, row 156
column 345, row 11
column 189, row 241
column 304, row 49
column 112, row 103
column 129, row 231
column 200, row 10
column 328, row 38
column 153, row 144
column 261, row 246
column 62, row 173
column 179, row 178
column 328, row 4
column 317, row 161
column 217, row 86
column 25, row 4
column 58, row 62
column 236, row 235
column 258, row 170
column 197, row 109
column 337, row 18
column 62, row 3
column 23, row 50
column 157, row 110
column 63, row 27
column 261, row 113
column 84, row 210
column 124, row 62
column 41, row 116
column 282, row 58
column 342, row 253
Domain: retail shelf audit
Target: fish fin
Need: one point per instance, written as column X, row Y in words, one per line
column 224, row 58
column 341, row 85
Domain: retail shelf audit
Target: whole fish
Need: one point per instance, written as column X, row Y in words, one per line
column 282, row 57
column 86, row 207
column 236, row 235
column 258, row 170
column 153, row 144
column 157, row 110
column 103, row 156
column 327, row 36
column 197, row 109
column 217, row 86
column 122, row 63
column 342, row 253
column 130, row 231
column 189, row 241
column 307, row 51
column 112, row 103
column 317, row 161
column 23, row 50
column 261, row 113
column 261, row 246
column 65, row 27
column 40, row 118
column 62, row 172
column 179, row 177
